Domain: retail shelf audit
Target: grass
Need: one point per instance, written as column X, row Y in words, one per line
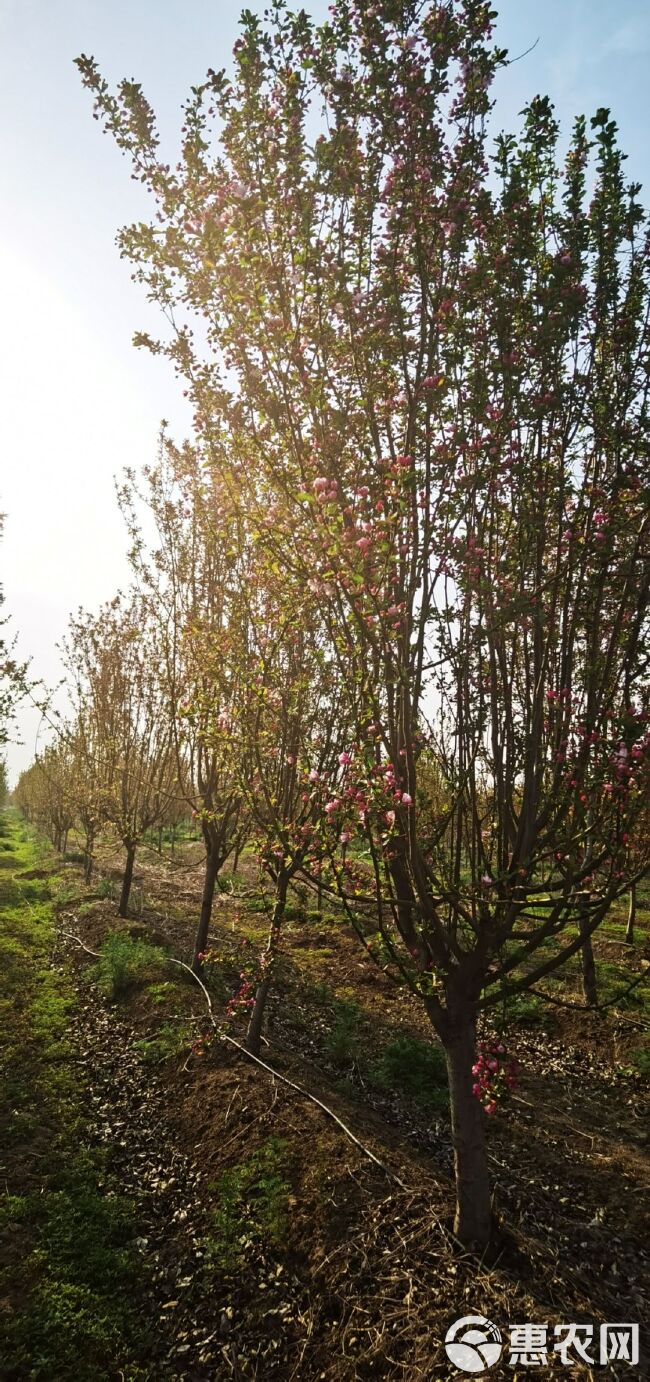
column 639, row 1060
column 613, row 980
column 68, row 1265
column 124, row 963
column 252, row 1208
column 417, row 1068
column 171, row 1040
column 527, row 1011
column 343, row 1040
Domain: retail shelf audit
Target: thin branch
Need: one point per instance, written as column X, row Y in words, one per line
column 330, row 1113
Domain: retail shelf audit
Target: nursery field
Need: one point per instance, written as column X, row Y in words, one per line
column 172, row 1208
column 325, row 816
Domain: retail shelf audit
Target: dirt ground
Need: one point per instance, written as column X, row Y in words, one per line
column 306, row 1259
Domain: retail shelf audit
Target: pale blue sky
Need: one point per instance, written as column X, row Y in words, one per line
column 78, row 402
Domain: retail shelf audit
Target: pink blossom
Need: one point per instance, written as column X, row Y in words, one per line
column 344, row 759
column 407, row 799
column 321, row 484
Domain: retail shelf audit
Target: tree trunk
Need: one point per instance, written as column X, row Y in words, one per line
column 65, row 843
column 473, row 1218
column 127, row 881
column 203, row 928
column 160, row 839
column 587, row 955
column 631, row 916
column 88, row 852
column 254, row 1033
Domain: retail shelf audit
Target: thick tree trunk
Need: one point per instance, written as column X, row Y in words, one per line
column 631, row 916
column 254, row 1033
column 203, row 928
column 587, row 955
column 473, row 1218
column 127, row 881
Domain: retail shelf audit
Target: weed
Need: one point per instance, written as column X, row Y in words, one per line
column 65, row 892
column 169, row 1041
column 639, row 1060
column 105, row 888
column 318, row 992
column 253, row 1205
column 525, row 1010
column 86, row 909
column 414, row 1067
column 159, row 993
column 71, row 1268
column 124, row 962
column 343, row 1039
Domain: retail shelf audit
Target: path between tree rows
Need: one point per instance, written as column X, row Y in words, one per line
column 80, row 1284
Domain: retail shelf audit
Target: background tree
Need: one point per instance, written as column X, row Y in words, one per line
column 115, row 660
column 45, row 792
column 86, row 783
column 189, row 581
column 13, row 679
column 287, row 728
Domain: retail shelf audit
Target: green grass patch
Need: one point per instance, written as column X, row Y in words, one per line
column 69, row 1267
column 639, row 1060
column 171, row 1040
column 252, row 1207
column 343, row 1040
column 124, row 963
column 417, row 1068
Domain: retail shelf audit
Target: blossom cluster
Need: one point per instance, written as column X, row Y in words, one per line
column 495, row 1075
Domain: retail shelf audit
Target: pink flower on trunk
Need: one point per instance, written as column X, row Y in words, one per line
column 407, row 799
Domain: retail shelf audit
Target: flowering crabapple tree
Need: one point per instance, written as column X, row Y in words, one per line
column 45, row 792
column 428, row 350
column 86, row 785
column 189, row 580
column 288, row 733
column 14, row 684
column 113, row 664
